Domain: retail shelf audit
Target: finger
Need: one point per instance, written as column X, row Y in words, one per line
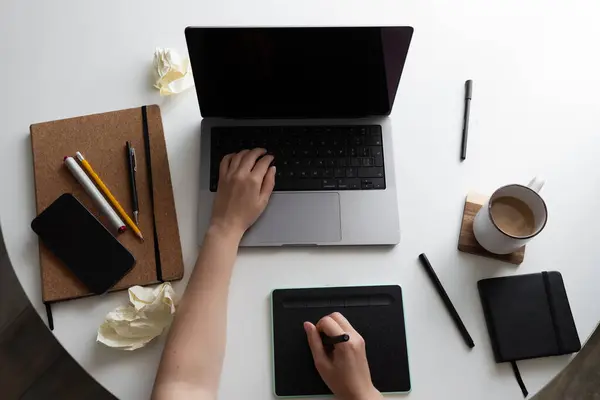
column 343, row 322
column 268, row 184
column 236, row 160
column 250, row 158
column 315, row 344
column 224, row 167
column 262, row 165
column 328, row 326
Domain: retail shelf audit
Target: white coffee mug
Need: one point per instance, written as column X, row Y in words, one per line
column 494, row 239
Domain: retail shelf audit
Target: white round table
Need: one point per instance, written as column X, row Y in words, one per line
column 535, row 110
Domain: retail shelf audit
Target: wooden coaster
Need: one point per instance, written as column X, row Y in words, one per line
column 467, row 241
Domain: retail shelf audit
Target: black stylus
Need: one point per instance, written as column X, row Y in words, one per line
column 449, row 306
column 331, row 340
column 468, row 94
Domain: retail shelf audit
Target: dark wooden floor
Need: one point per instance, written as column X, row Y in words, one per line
column 34, row 366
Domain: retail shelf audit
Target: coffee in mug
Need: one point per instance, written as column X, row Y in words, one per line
column 511, row 217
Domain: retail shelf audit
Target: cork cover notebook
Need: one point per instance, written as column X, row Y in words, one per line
column 101, row 139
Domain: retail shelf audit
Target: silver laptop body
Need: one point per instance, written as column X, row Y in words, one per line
column 313, row 217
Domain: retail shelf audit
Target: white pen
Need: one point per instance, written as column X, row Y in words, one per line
column 95, row 194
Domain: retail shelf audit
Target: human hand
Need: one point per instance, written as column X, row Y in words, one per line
column 245, row 186
column 345, row 370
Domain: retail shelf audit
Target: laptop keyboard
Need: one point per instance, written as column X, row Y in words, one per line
column 309, row 157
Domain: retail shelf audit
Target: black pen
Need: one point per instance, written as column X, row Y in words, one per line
column 468, row 94
column 449, row 306
column 132, row 162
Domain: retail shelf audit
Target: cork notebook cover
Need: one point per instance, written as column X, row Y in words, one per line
column 101, row 139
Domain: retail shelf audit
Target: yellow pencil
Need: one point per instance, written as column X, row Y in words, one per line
column 88, row 168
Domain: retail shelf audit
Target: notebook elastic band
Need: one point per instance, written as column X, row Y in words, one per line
column 150, row 184
column 551, row 305
column 49, row 315
column 519, row 379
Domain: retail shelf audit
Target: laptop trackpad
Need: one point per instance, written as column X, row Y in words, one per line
column 298, row 218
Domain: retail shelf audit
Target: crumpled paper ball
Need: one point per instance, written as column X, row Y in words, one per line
column 173, row 72
column 133, row 326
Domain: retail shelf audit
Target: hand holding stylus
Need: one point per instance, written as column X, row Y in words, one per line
column 345, row 370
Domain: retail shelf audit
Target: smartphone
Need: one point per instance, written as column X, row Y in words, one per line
column 83, row 244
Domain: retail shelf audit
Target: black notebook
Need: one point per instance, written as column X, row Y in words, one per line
column 528, row 316
column 374, row 311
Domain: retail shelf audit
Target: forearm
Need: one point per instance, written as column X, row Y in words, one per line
column 193, row 356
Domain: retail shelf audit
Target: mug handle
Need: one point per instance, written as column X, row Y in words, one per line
column 536, row 184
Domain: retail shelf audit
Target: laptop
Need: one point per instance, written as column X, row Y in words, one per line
column 318, row 99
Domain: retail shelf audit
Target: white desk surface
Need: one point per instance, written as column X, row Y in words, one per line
column 535, row 110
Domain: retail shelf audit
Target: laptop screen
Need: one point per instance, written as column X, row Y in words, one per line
column 343, row 72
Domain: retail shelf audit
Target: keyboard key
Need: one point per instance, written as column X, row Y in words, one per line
column 306, row 152
column 367, row 162
column 303, row 173
column 356, row 141
column 304, row 184
column 339, row 141
column 328, row 173
column 325, row 152
column 376, row 183
column 378, row 161
column 375, row 151
column 351, row 173
column 314, row 172
column 342, row 184
column 329, row 184
column 375, row 130
column 364, row 151
column 353, row 184
column 341, row 162
column 339, row 172
column 373, row 140
column 355, row 162
column 370, row 172
column 319, row 162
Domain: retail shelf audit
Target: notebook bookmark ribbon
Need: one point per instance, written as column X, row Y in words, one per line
column 519, row 378
column 151, row 185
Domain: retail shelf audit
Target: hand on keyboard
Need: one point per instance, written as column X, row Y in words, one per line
column 246, row 181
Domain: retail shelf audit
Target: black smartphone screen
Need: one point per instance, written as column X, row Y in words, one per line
column 85, row 246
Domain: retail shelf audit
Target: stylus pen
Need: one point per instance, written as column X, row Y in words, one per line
column 95, row 194
column 331, row 340
column 449, row 306
column 132, row 164
column 465, row 134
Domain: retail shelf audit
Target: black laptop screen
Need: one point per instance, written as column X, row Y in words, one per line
column 297, row 72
